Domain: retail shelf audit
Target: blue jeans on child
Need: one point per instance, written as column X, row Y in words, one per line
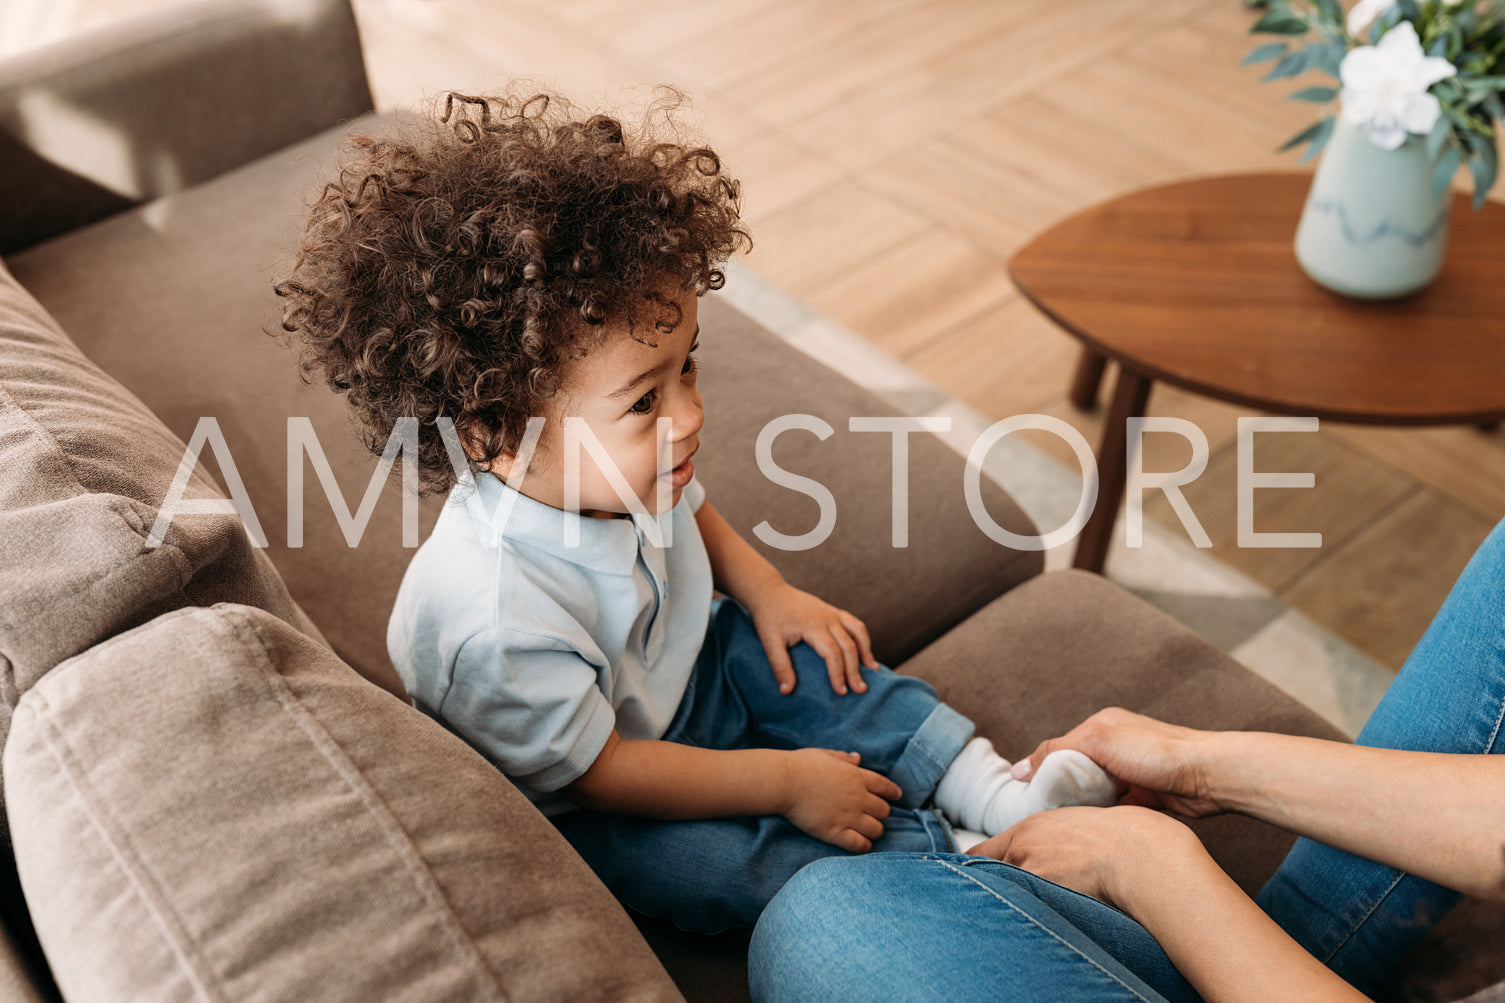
column 712, row 875
column 943, row 926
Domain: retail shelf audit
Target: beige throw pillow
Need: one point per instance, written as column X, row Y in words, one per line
column 214, row 806
column 85, row 467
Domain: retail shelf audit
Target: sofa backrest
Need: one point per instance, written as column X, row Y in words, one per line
column 124, row 114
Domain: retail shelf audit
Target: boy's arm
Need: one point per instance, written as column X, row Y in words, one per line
column 737, row 568
column 823, row 792
column 782, row 613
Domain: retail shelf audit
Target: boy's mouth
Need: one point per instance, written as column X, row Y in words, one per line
column 680, row 475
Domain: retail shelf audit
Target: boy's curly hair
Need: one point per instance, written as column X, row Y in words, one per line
column 452, row 273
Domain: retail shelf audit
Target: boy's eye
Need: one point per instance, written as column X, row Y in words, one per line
column 644, row 403
column 690, row 364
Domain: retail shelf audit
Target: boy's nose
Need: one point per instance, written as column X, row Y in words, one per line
column 688, row 417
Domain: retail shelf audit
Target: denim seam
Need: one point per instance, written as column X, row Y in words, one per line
column 920, row 745
column 1495, row 734
column 1327, row 959
column 1046, row 930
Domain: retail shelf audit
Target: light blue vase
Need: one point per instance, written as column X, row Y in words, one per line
column 1371, row 228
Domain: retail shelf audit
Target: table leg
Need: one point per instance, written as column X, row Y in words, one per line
column 1089, row 375
column 1131, row 394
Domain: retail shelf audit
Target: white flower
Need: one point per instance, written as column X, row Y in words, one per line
column 1385, row 87
column 1363, row 14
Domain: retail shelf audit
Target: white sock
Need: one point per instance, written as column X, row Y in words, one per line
column 977, row 792
column 966, row 838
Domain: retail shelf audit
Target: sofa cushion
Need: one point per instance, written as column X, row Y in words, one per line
column 179, row 297
column 86, row 467
column 272, row 827
column 17, row 981
column 1068, row 644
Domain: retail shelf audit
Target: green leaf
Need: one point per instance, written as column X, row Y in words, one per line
column 1476, row 142
column 1324, row 133
column 1279, row 22
column 1407, row 9
column 1484, row 165
column 1292, row 65
column 1265, row 53
column 1494, row 106
column 1300, row 137
column 1389, row 19
column 1330, row 10
column 1329, row 59
column 1441, row 130
column 1442, row 174
column 1316, row 95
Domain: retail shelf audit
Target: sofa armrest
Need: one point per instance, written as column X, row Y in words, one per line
column 119, row 116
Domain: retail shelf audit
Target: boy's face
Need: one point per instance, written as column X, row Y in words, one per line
column 620, row 390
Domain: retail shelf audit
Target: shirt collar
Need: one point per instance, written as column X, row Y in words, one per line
column 609, row 546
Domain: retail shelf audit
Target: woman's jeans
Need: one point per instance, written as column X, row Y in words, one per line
column 711, row 875
column 943, row 926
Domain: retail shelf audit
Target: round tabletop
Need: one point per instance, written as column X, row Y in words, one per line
column 1196, row 283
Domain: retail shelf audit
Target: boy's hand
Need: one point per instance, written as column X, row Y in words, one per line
column 785, row 615
column 835, row 800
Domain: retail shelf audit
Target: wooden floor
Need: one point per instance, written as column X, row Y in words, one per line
column 894, row 153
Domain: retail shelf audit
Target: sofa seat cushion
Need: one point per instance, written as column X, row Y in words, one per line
column 1070, row 643
column 175, row 300
column 272, row 827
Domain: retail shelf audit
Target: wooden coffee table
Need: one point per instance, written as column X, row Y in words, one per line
column 1196, row 283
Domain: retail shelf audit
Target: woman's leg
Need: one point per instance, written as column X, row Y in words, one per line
column 916, row 926
column 1358, row 916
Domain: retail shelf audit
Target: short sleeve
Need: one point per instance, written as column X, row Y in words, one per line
column 694, row 494
column 531, row 705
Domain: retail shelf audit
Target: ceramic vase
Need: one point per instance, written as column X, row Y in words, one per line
column 1371, row 227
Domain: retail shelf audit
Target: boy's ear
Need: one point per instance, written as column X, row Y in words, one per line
column 501, row 466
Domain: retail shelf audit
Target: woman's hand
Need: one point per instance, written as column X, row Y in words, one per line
column 1102, row 852
column 785, row 615
column 1160, row 765
column 833, row 799
column 1155, row 869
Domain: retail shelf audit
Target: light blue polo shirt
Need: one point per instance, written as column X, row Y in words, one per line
column 533, row 650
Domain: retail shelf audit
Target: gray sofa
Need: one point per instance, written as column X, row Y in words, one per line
column 214, row 785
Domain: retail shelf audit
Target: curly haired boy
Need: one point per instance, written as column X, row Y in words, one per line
column 523, row 281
